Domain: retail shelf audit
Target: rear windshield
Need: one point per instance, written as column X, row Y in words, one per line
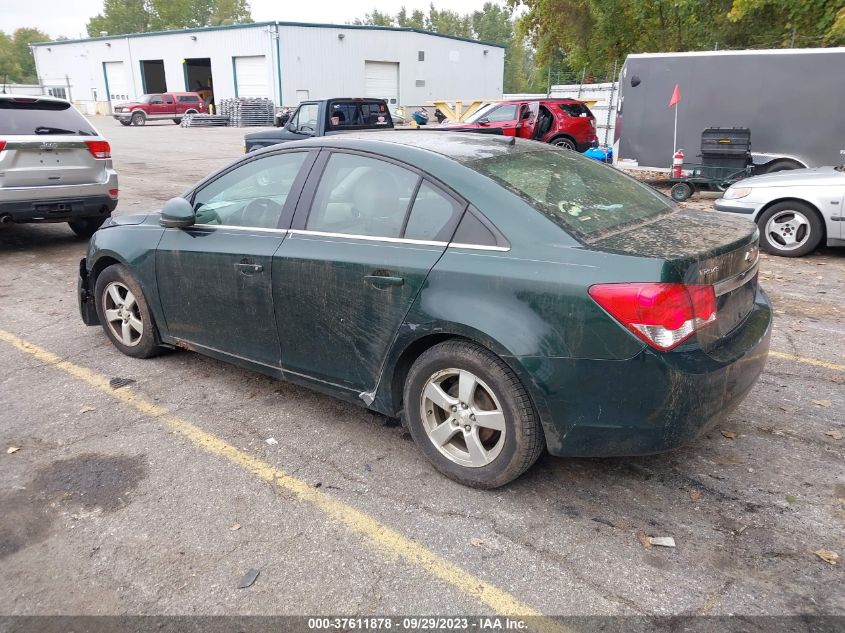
column 42, row 117
column 581, row 195
column 576, row 109
column 344, row 115
column 188, row 98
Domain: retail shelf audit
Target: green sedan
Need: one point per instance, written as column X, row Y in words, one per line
column 500, row 296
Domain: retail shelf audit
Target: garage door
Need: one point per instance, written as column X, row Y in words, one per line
column 117, row 82
column 251, row 76
column 382, row 81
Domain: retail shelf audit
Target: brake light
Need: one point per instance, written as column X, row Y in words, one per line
column 2, row 145
column 663, row 315
column 99, row 149
column 113, row 193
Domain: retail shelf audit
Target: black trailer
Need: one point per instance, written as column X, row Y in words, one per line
column 792, row 100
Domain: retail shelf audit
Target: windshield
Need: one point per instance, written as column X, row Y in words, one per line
column 42, row 117
column 579, row 194
column 480, row 113
column 146, row 98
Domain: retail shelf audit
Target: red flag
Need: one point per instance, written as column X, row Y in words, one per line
column 676, row 96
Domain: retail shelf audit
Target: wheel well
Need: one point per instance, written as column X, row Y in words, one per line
column 566, row 136
column 766, row 168
column 408, row 357
column 805, row 202
column 99, row 266
column 191, row 111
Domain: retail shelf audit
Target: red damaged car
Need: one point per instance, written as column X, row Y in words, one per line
column 564, row 122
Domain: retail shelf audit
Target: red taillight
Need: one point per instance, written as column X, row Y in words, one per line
column 663, row 315
column 2, row 145
column 99, row 149
column 113, row 193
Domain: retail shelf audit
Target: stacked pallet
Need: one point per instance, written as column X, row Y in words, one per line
column 205, row 120
column 248, row 111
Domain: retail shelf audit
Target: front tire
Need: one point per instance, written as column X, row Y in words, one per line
column 471, row 416
column 790, row 229
column 125, row 314
column 125, row 123
column 86, row 228
column 139, row 118
column 681, row 191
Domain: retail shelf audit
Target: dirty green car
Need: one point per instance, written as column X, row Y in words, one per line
column 500, row 296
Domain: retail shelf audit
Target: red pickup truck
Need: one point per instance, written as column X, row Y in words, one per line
column 167, row 105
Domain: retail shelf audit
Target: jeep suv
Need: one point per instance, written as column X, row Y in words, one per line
column 54, row 166
column 155, row 107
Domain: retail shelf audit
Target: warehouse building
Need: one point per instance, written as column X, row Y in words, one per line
column 282, row 61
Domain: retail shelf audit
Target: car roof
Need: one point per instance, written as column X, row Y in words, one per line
column 32, row 98
column 403, row 144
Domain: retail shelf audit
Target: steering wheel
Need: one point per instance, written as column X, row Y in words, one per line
column 262, row 213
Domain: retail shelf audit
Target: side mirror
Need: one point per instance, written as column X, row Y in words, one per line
column 484, row 121
column 177, row 213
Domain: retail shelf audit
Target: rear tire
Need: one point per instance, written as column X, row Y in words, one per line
column 564, row 142
column 139, row 118
column 492, row 436
column 778, row 165
column 126, row 123
column 681, row 191
column 119, row 297
column 86, row 228
column 790, row 229
column 177, row 121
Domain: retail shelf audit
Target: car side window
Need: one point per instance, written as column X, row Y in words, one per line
column 252, row 195
column 433, row 215
column 155, row 100
column 362, row 196
column 168, row 99
column 306, row 119
column 502, row 113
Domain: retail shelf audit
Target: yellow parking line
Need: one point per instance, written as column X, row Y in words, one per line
column 384, row 540
column 807, row 361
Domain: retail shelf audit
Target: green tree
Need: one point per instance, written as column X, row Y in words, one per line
column 230, row 12
column 9, row 67
column 120, row 17
column 376, row 18
column 448, row 22
column 21, row 39
column 416, row 20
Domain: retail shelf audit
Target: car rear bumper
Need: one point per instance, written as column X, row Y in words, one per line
column 64, row 209
column 653, row 402
column 735, row 206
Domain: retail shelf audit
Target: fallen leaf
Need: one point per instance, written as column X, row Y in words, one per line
column 644, row 541
column 87, row 409
column 822, row 403
column 476, row 542
column 729, row 434
column 791, row 499
column 837, row 435
column 695, row 495
column 236, row 526
column 662, row 541
column 12, row 449
column 827, row 556
column 271, row 441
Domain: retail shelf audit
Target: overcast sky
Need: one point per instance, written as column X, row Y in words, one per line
column 68, row 17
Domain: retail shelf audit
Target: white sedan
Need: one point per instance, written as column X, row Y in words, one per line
column 796, row 210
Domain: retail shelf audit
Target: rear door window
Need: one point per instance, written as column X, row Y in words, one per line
column 37, row 117
column 359, row 195
column 576, row 109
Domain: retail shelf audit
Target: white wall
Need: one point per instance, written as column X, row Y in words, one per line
column 317, row 60
column 313, row 58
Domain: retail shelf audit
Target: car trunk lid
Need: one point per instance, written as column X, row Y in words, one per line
column 37, row 161
column 700, row 248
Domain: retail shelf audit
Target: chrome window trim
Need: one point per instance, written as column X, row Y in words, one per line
column 732, row 283
column 480, row 247
column 237, row 228
column 369, row 238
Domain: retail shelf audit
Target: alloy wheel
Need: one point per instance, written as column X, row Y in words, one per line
column 463, row 417
column 123, row 314
column 788, row 230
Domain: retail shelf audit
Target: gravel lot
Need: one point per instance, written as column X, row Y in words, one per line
column 110, row 507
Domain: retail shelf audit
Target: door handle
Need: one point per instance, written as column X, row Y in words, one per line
column 384, row 280
column 246, row 268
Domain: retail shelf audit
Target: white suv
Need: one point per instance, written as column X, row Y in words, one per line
column 54, row 165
